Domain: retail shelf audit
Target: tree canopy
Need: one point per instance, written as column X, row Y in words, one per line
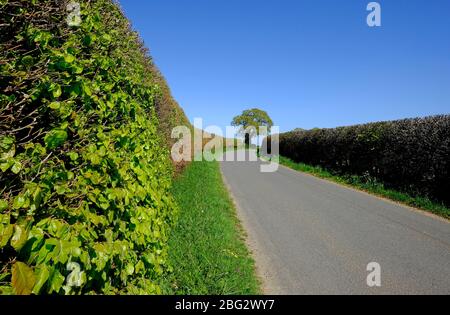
column 250, row 122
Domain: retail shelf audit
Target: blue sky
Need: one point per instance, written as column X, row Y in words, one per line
column 309, row 63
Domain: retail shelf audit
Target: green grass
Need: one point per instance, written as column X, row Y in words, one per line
column 371, row 186
column 207, row 247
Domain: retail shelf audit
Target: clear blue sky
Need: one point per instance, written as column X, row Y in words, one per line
column 310, row 63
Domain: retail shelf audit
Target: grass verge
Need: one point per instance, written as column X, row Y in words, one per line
column 371, row 186
column 207, row 247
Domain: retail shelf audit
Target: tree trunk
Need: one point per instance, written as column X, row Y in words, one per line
column 247, row 140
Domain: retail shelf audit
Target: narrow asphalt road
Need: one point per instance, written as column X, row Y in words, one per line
column 311, row 236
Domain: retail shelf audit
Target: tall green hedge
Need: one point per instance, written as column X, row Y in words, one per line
column 412, row 155
column 84, row 174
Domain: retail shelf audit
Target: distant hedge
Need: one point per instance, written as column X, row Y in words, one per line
column 412, row 155
column 84, row 172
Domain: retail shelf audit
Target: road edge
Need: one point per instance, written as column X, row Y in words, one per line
column 262, row 266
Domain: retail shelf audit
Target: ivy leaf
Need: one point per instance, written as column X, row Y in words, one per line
column 55, row 89
column 69, row 58
column 7, row 148
column 56, row 281
column 19, row 238
column 62, row 250
column 6, row 142
column 23, row 278
column 55, row 138
column 42, row 275
column 27, row 61
column 77, row 69
column 44, row 254
column 6, row 290
column 87, row 40
column 76, row 89
column 21, row 201
column 6, row 165
column 37, row 199
column 73, row 156
column 130, row 269
column 5, row 234
column 3, row 204
column 86, row 89
column 106, row 39
column 55, row 105
column 16, row 167
column 140, row 266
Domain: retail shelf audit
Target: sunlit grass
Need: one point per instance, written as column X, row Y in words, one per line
column 207, row 248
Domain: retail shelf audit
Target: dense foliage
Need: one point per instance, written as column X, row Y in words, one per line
column 250, row 122
column 170, row 114
column 412, row 155
column 85, row 177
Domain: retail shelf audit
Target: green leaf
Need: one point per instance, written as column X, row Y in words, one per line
column 7, row 148
column 73, row 156
column 130, row 269
column 55, row 89
column 62, row 250
column 140, row 266
column 56, row 281
column 106, row 39
column 6, row 142
column 87, row 89
column 55, row 105
column 7, row 164
column 69, row 58
column 77, row 69
column 5, row 290
column 3, row 204
column 44, row 255
column 21, row 201
column 5, row 234
column 4, row 219
column 23, row 278
column 42, row 275
column 19, row 238
column 37, row 196
column 55, row 138
column 75, row 89
column 60, row 189
column 16, row 167
column 27, row 61
column 87, row 40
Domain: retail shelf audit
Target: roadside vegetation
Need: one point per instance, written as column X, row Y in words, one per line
column 85, row 173
column 405, row 160
column 372, row 186
column 207, row 248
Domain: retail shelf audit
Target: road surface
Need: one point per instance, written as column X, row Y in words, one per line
column 311, row 236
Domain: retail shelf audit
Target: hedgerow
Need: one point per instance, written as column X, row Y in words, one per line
column 170, row 114
column 411, row 155
column 85, row 206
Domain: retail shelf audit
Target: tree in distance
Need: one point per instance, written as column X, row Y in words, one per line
column 249, row 123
